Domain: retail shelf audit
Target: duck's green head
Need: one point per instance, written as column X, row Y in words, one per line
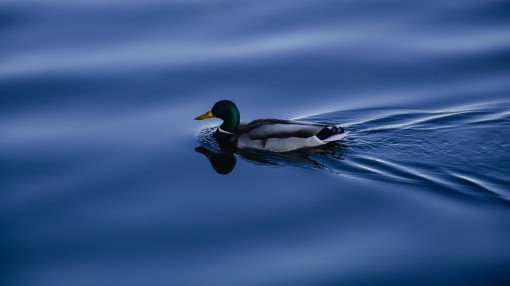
column 225, row 110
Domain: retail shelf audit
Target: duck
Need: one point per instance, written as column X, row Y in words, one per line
column 274, row 135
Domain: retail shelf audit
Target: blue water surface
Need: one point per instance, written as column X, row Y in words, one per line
column 106, row 179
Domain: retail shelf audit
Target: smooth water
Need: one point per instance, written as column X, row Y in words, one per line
column 106, row 179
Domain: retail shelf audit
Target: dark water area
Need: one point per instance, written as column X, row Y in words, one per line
column 106, row 179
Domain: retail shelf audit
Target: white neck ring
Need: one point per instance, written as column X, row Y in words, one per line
column 223, row 131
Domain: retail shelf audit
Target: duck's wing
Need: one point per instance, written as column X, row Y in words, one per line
column 264, row 129
column 285, row 135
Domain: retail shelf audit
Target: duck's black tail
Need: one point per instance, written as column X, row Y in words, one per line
column 329, row 131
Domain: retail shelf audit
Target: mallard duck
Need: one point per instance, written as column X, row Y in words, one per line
column 275, row 135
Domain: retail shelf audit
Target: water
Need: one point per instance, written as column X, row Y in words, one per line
column 104, row 179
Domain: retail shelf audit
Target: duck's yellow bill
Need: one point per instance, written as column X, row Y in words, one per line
column 206, row 115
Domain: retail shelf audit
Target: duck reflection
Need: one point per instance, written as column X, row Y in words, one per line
column 224, row 160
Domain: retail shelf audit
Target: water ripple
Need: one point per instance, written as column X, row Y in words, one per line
column 460, row 151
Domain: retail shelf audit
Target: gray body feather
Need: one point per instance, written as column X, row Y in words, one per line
column 278, row 135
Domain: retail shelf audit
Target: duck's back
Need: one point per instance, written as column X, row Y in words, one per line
column 262, row 129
